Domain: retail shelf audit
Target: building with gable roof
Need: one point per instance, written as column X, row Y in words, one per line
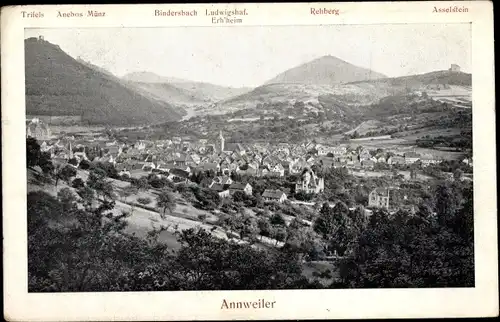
column 309, row 183
column 277, row 195
column 379, row 197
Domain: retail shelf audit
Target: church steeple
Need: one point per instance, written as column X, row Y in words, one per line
column 70, row 150
column 221, row 141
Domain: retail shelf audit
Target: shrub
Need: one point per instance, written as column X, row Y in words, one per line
column 144, row 200
column 77, row 183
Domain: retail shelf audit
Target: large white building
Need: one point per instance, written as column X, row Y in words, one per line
column 38, row 130
column 309, row 182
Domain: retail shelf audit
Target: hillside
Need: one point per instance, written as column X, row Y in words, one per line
column 442, row 86
column 325, row 70
column 182, row 91
column 57, row 85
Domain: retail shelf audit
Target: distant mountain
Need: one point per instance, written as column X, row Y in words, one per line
column 182, row 91
column 326, row 70
column 149, row 77
column 57, row 85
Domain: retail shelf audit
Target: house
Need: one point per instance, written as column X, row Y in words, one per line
column 364, row 155
column 411, row 157
column 225, row 168
column 396, row 159
column 164, row 167
column 225, row 180
column 112, row 143
column 338, row 150
column 322, row 150
column 124, row 172
column 309, row 183
column 467, row 161
column 234, row 147
column 176, row 140
column 244, row 187
column 38, row 130
column 379, row 197
column 428, row 160
column 219, row 188
column 277, row 170
column 270, row 195
column 208, row 166
column 297, row 166
column 178, row 175
column 250, row 170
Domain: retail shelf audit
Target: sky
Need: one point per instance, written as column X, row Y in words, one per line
column 250, row 56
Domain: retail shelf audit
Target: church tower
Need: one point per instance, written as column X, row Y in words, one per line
column 221, row 139
column 70, row 150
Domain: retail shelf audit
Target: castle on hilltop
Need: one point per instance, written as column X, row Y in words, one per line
column 454, row 68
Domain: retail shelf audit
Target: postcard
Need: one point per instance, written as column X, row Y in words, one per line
column 249, row 161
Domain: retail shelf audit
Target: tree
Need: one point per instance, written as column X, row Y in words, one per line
column 323, row 225
column 207, row 199
column 249, row 228
column 457, row 174
column 333, row 224
column 264, row 227
column 34, row 156
column 64, row 172
column 279, row 233
column 32, row 152
column 73, row 161
column 87, row 195
column 97, row 181
column 447, row 203
column 128, row 191
column 67, row 199
column 165, row 201
column 77, row 183
column 142, row 183
column 239, row 196
column 277, row 220
column 300, row 240
column 85, row 165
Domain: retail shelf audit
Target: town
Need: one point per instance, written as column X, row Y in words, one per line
column 226, row 167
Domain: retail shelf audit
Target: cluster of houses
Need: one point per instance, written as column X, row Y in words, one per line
column 179, row 159
column 176, row 154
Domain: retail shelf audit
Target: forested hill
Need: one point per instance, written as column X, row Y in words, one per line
column 57, row 85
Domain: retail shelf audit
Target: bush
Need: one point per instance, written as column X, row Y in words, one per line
column 144, row 200
column 77, row 183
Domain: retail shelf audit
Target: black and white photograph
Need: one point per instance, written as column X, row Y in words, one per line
column 298, row 157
